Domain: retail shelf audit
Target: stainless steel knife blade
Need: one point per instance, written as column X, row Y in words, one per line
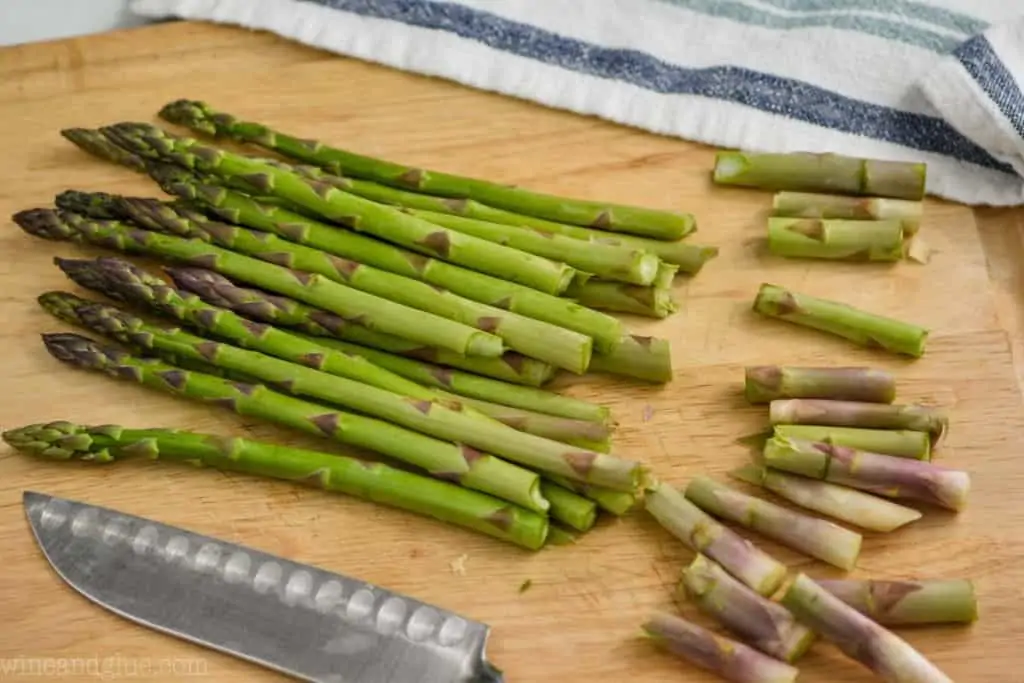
column 308, row 623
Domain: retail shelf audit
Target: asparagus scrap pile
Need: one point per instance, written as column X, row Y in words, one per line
column 404, row 312
column 829, row 206
column 840, row 448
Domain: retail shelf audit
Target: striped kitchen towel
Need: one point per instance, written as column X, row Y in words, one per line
column 931, row 80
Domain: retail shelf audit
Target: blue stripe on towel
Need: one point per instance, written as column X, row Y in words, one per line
column 899, row 9
column 786, row 97
column 985, row 67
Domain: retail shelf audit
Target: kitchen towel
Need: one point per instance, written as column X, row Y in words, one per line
column 925, row 80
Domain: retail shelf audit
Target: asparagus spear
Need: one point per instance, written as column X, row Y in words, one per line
column 900, row 443
column 860, row 638
column 762, row 623
column 809, row 172
column 861, row 327
column 901, row 603
column 483, row 388
column 652, row 302
column 237, row 207
column 616, row 502
column 580, row 433
column 808, row 205
column 730, row 659
column 618, row 218
column 380, row 314
column 835, row 239
column 382, row 221
column 815, row 537
column 701, row 533
column 766, row 383
column 603, row 260
column 840, row 502
column 94, row 143
column 255, row 304
column 860, row 414
column 665, row 277
column 885, row 475
column 645, row 358
column 371, row 481
column 549, row 343
column 568, row 507
column 461, row 464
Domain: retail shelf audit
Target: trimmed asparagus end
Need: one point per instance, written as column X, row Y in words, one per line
column 902, row 603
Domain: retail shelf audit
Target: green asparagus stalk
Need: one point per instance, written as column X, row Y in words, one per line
column 902, row 443
column 617, row 503
column 239, row 208
column 666, row 275
column 835, row 239
column 370, row 481
column 884, row 475
column 461, row 464
column 760, row 622
column 701, row 533
column 826, row 412
column 891, row 658
column 651, row 302
column 827, row 206
column 809, row 172
column 902, row 603
column 839, row 502
column 371, row 311
column 860, row 327
column 95, row 143
column 666, row 225
column 575, row 432
column 483, row 388
column 568, row 507
column 361, row 215
column 645, row 358
column 815, row 537
column 603, row 260
column 550, row 343
column 766, row 383
column 730, row 659
column 255, row 304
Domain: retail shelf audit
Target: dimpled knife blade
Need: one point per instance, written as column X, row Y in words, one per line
column 302, row 621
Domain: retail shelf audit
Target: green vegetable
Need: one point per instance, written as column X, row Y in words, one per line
column 835, row 239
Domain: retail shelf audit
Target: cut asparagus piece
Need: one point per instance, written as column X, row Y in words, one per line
column 760, row 622
column 568, row 507
column 701, row 533
column 766, row 383
column 666, row 275
column 902, row 603
column 890, row 657
column 667, row 225
column 651, row 302
column 370, row 481
column 483, row 388
column 645, row 358
column 549, row 343
column 730, row 659
column 382, row 221
column 255, row 304
column 840, row 502
column 815, row 537
column 863, row 328
column 442, row 459
column 616, row 502
column 885, row 475
column 861, row 414
column 830, row 173
column 237, row 207
column 371, row 311
column 902, row 443
column 809, row 205
column 602, row 260
column 835, row 239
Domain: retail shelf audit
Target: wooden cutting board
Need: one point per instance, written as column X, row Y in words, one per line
column 579, row 619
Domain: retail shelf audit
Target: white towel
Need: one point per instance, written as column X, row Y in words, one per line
column 924, row 80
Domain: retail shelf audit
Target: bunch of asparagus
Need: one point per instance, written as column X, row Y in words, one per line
column 829, row 206
column 842, row 448
column 411, row 314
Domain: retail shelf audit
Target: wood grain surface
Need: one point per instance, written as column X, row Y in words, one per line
column 579, row 619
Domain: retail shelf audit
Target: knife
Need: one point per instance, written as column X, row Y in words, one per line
column 302, row 621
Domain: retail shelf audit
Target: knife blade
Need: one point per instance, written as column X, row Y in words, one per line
column 297, row 619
